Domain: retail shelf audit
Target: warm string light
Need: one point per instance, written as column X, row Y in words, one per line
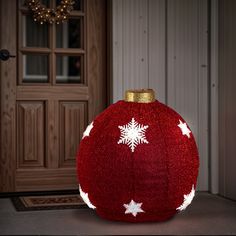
column 43, row 15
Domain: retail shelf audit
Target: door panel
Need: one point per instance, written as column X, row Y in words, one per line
column 49, row 93
column 72, row 120
column 30, row 134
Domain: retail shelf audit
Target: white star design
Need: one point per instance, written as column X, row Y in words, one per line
column 185, row 130
column 187, row 200
column 133, row 208
column 87, row 131
column 132, row 134
column 85, row 198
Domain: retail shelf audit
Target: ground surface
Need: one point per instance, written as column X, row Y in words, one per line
column 208, row 214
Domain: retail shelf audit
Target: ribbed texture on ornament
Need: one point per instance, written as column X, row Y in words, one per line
column 156, row 174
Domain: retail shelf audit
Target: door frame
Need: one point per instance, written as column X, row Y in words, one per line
column 6, row 33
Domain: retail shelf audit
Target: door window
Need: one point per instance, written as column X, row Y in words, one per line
column 52, row 53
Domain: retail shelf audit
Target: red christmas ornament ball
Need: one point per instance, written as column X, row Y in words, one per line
column 138, row 161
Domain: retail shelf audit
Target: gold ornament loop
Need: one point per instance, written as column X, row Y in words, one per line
column 42, row 14
column 140, row 96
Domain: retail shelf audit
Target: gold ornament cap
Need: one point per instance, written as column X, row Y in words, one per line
column 140, row 96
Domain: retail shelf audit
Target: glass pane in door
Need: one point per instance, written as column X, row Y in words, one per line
column 68, row 34
column 22, row 3
column 34, row 34
column 69, row 69
column 77, row 5
column 35, row 68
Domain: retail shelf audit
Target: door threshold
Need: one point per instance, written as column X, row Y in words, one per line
column 38, row 193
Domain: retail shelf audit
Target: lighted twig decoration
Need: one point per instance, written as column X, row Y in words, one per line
column 42, row 14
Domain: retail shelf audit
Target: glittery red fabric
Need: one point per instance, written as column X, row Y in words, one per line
column 157, row 174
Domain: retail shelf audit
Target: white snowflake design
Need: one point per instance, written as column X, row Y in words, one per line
column 184, row 128
column 133, row 208
column 187, row 200
column 132, row 134
column 85, row 198
column 88, row 130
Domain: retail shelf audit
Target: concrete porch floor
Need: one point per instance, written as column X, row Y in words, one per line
column 208, row 214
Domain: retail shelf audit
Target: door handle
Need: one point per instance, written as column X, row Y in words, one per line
column 5, row 55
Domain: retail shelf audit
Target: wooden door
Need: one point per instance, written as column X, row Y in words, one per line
column 53, row 88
